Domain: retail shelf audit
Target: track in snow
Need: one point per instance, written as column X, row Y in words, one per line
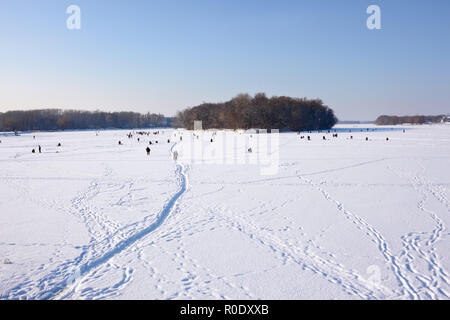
column 53, row 287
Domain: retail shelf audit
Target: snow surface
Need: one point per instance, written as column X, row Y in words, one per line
column 342, row 219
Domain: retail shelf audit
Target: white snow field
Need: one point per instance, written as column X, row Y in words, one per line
column 341, row 219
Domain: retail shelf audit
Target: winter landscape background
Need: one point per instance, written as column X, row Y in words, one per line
column 342, row 219
column 131, row 166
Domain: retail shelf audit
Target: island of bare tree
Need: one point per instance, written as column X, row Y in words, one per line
column 245, row 112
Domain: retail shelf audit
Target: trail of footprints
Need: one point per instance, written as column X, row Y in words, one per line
column 419, row 248
column 198, row 281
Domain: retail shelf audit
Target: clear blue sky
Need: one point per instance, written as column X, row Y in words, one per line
column 164, row 55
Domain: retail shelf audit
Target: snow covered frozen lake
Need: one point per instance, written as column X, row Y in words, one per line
column 341, row 219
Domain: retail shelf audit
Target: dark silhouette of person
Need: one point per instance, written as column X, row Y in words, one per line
column 148, row 151
column 40, row 149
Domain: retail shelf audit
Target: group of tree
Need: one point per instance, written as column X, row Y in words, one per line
column 418, row 119
column 246, row 112
column 56, row 119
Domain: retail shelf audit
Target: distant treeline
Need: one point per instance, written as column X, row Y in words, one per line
column 55, row 119
column 419, row 119
column 245, row 112
column 354, row 122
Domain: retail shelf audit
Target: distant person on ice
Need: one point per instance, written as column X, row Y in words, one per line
column 148, row 151
column 40, row 149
